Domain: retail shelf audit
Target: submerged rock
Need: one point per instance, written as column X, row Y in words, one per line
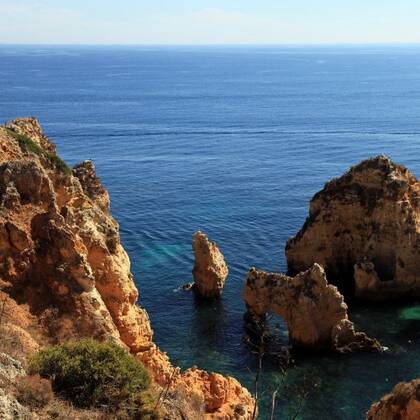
column 410, row 314
column 364, row 228
column 186, row 287
column 210, row 270
column 314, row 311
column 402, row 403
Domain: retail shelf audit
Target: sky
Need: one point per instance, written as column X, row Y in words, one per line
column 209, row 22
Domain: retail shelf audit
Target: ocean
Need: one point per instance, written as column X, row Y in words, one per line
column 233, row 141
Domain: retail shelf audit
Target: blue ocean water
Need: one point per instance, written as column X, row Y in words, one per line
column 233, row 141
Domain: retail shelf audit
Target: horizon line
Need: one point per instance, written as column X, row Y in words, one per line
column 279, row 44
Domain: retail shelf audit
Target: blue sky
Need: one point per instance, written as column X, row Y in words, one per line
column 209, row 22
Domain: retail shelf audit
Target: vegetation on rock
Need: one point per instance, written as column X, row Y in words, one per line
column 103, row 375
column 28, row 145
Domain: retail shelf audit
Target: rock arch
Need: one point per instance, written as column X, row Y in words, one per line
column 314, row 311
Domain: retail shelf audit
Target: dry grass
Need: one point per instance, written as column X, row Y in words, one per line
column 63, row 410
column 20, row 333
column 182, row 405
column 33, row 391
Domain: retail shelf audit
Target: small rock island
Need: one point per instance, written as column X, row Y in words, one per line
column 210, row 270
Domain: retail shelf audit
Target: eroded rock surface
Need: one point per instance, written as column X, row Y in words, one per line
column 63, row 268
column 313, row 310
column 11, row 409
column 403, row 403
column 10, row 368
column 210, row 270
column 364, row 228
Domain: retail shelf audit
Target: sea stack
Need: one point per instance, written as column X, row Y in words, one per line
column 364, row 229
column 314, row 311
column 210, row 270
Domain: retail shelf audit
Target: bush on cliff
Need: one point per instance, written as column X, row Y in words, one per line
column 93, row 374
column 28, row 145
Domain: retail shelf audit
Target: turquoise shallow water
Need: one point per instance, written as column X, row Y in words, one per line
column 233, row 141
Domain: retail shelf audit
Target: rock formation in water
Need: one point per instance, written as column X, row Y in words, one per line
column 210, row 270
column 314, row 311
column 364, row 229
column 64, row 272
column 403, row 403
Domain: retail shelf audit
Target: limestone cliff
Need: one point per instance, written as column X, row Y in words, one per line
column 314, row 311
column 210, row 270
column 364, row 228
column 64, row 269
column 403, row 403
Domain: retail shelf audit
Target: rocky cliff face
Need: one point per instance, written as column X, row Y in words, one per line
column 402, row 403
column 364, row 228
column 210, row 270
column 313, row 310
column 63, row 266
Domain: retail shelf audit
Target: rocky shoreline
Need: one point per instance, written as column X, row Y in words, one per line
column 65, row 274
column 63, row 266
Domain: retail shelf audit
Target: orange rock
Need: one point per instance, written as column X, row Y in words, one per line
column 313, row 310
column 210, row 270
column 402, row 403
column 30, row 127
column 364, row 229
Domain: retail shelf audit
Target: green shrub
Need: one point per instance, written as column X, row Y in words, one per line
column 93, row 374
column 28, row 145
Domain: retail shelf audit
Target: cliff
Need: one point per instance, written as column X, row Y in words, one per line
column 314, row 311
column 65, row 274
column 364, row 229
